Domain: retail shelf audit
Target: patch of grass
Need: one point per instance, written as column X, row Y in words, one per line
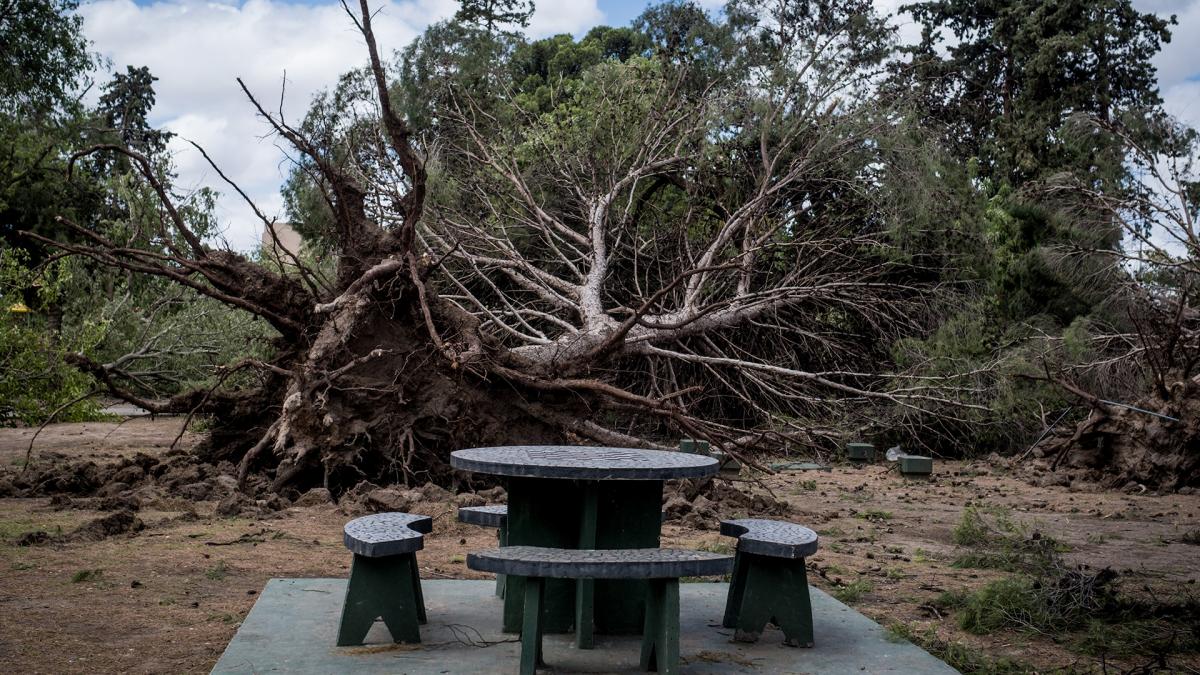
column 720, row 546
column 962, row 657
column 895, row 573
column 922, row 556
column 807, row 486
column 86, row 575
column 993, row 540
column 831, row 532
column 877, row 515
column 224, row 617
column 217, row 572
column 853, row 591
column 21, row 566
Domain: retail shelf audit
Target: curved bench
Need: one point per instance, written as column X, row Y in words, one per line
column 384, row 578
column 662, row 567
column 770, row 582
column 492, row 515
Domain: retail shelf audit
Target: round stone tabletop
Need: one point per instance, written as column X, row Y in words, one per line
column 583, row 463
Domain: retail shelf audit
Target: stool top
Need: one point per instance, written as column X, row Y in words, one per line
column 773, row 538
column 384, row 534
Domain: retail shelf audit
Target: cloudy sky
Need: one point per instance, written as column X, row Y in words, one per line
column 198, row 47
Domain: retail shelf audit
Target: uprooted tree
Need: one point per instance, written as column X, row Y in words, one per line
column 1153, row 440
column 671, row 249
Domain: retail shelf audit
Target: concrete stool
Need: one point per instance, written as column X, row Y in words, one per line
column 770, row 583
column 384, row 579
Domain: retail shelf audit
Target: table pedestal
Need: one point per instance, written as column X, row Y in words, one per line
column 596, row 514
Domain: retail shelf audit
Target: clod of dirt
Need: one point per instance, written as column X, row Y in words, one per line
column 387, row 499
column 196, row 492
column 468, row 499
column 314, row 497
column 121, row 522
column 233, row 505
column 495, row 495
column 36, row 538
column 435, row 493
column 7, row 488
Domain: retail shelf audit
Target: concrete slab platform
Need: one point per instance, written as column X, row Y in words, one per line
column 292, row 627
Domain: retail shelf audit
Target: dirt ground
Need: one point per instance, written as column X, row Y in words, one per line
column 169, row 598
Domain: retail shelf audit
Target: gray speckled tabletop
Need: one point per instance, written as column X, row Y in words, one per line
column 583, row 463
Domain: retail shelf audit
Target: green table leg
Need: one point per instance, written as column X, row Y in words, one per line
column 660, row 639
column 387, row 587
column 548, row 512
column 585, row 588
column 531, row 626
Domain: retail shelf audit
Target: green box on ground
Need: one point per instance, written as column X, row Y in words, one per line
column 916, row 465
column 862, row 452
column 694, row 446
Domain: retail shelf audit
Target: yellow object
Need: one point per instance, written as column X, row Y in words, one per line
column 18, row 308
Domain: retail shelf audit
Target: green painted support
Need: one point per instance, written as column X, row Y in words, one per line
column 694, row 446
column 532, row 624
column 387, row 587
column 585, row 589
column 916, row 465
column 660, row 638
column 765, row 590
column 549, row 512
column 862, row 452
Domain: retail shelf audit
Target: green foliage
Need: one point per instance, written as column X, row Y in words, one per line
column 35, row 378
column 490, row 14
column 1004, row 76
column 83, row 576
column 217, row 572
column 995, row 541
column 44, row 57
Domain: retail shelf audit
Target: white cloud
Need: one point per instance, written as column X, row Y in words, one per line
column 197, row 49
column 1179, row 61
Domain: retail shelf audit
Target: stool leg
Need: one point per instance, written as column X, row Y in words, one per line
column 794, row 618
column 418, row 596
column 737, row 587
column 380, row 587
column 531, row 626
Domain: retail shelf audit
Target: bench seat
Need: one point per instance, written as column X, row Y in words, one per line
column 629, row 563
column 492, row 515
column 661, row 567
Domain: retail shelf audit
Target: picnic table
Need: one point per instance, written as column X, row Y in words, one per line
column 577, row 497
